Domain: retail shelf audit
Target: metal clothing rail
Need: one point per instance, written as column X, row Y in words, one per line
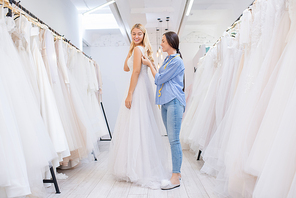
column 41, row 22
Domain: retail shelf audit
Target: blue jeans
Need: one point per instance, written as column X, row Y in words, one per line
column 172, row 113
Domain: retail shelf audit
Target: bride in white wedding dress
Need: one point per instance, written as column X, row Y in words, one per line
column 137, row 153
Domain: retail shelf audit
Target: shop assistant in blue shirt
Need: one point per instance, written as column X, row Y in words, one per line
column 169, row 80
column 169, row 94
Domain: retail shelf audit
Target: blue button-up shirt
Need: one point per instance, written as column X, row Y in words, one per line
column 169, row 80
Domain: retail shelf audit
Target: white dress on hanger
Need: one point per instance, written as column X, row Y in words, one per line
column 63, row 101
column 13, row 172
column 137, row 152
column 283, row 86
column 82, row 74
column 244, row 136
column 20, row 120
column 48, row 106
column 216, row 155
column 277, row 168
column 75, row 130
column 204, row 74
column 204, row 115
column 93, row 88
column 21, row 37
column 90, row 133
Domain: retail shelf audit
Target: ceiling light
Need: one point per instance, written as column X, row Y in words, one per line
column 189, row 7
column 99, row 7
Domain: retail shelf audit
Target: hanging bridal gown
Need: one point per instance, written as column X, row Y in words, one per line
column 201, row 84
column 21, row 37
column 205, row 121
column 83, row 76
column 219, row 94
column 137, row 152
column 240, row 184
column 13, row 174
column 230, row 62
column 48, row 106
column 215, row 154
column 22, row 118
column 63, row 101
column 93, row 88
column 239, row 146
column 277, row 103
column 276, row 179
column 78, row 96
column 70, row 92
column 269, row 74
column 278, row 175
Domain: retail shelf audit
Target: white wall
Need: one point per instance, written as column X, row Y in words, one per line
column 61, row 15
column 115, row 80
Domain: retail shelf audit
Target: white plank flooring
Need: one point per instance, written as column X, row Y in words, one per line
column 91, row 180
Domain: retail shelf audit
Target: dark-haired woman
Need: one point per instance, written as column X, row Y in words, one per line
column 169, row 94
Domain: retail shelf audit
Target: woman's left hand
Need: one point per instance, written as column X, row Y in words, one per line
column 128, row 101
column 146, row 61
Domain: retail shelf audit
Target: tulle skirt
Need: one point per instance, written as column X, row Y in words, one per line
column 137, row 151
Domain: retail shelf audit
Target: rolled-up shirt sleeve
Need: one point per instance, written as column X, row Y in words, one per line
column 171, row 71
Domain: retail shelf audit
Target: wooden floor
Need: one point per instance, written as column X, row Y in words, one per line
column 91, row 180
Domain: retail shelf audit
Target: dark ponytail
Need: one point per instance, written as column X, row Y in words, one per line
column 173, row 40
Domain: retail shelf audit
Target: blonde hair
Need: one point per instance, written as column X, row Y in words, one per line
column 146, row 42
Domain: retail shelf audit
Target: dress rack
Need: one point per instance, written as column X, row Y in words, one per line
column 66, row 40
column 9, row 14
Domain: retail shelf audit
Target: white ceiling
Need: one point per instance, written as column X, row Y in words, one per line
column 84, row 5
column 205, row 24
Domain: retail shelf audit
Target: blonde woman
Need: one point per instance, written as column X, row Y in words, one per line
column 137, row 153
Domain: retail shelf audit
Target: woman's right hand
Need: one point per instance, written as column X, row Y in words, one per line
column 146, row 61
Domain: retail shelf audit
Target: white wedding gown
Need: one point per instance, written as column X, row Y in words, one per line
column 137, row 152
column 25, row 145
